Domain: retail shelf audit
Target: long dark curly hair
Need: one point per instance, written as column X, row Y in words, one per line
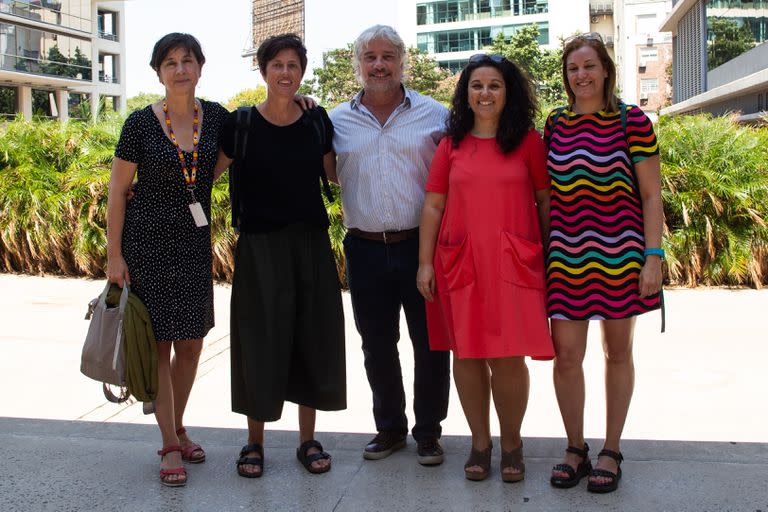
column 520, row 108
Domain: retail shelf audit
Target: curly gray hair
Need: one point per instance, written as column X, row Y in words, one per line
column 378, row 32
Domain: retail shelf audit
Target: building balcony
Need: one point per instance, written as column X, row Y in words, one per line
column 107, row 36
column 600, row 8
column 107, row 79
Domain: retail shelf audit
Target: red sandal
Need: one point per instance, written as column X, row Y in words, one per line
column 187, row 454
column 164, row 473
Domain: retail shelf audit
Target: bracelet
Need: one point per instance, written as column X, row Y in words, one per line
column 654, row 251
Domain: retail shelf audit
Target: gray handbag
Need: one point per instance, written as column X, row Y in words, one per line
column 103, row 356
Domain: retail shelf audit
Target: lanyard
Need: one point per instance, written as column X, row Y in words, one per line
column 189, row 176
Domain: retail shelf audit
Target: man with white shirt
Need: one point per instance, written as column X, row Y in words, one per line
column 384, row 139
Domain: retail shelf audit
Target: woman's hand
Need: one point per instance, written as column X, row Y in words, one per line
column 117, row 271
column 425, row 281
column 650, row 277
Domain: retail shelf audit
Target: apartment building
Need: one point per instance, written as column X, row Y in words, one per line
column 453, row 30
column 643, row 53
column 61, row 58
column 720, row 57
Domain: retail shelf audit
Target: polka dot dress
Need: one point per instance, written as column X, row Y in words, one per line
column 168, row 256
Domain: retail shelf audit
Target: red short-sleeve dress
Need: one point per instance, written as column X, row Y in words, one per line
column 489, row 261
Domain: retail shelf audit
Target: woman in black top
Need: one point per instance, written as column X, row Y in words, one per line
column 287, row 333
column 160, row 242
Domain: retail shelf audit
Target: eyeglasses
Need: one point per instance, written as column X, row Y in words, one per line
column 493, row 57
column 589, row 36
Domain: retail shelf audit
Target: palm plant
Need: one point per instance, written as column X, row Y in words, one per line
column 715, row 194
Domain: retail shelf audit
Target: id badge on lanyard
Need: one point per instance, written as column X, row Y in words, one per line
column 197, row 212
column 190, row 177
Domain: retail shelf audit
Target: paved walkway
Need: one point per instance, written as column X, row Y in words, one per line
column 696, row 438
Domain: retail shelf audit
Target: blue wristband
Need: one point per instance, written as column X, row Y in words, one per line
column 654, row 252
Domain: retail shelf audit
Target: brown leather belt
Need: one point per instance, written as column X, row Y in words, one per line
column 388, row 237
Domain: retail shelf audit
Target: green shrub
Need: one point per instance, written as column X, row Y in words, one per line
column 715, row 194
column 54, row 178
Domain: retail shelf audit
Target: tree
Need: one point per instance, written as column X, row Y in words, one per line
column 726, row 40
column 543, row 66
column 57, row 64
column 83, row 63
column 247, row 97
column 335, row 81
column 143, row 99
column 425, row 76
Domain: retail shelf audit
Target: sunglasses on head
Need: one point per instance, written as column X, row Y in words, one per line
column 484, row 57
column 589, row 36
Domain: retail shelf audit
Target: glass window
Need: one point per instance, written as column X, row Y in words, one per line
column 734, row 27
column 7, row 101
column 649, row 85
column 34, row 51
column 649, row 54
column 647, row 24
column 74, row 14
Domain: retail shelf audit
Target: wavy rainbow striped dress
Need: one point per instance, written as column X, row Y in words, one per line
column 596, row 234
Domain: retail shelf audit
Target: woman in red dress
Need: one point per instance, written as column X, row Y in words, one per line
column 481, row 261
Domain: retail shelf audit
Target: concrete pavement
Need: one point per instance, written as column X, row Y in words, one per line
column 696, row 437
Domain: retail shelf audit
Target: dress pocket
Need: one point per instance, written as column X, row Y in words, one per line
column 457, row 264
column 522, row 261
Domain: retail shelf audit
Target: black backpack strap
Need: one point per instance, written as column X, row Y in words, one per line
column 243, row 117
column 555, row 118
column 623, row 114
column 318, row 125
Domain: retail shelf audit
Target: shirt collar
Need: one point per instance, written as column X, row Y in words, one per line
column 408, row 100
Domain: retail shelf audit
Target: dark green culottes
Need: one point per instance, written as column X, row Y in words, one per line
column 287, row 323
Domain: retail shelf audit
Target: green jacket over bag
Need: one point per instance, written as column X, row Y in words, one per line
column 140, row 347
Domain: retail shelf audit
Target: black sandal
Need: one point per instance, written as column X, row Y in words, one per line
column 307, row 459
column 513, row 459
column 574, row 475
column 254, row 461
column 481, row 458
column 613, row 483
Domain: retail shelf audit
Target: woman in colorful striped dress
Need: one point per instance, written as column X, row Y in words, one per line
column 604, row 259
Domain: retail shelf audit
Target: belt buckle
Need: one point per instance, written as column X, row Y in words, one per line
column 384, row 235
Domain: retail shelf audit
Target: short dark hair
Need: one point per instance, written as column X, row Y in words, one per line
column 170, row 42
column 275, row 44
column 517, row 117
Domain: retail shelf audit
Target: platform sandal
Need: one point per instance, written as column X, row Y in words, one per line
column 165, row 473
column 612, row 484
column 188, row 453
column 481, row 458
column 513, row 459
column 574, row 476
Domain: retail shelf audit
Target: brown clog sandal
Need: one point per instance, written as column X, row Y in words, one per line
column 481, row 458
column 513, row 459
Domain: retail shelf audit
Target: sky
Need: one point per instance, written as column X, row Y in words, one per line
column 225, row 32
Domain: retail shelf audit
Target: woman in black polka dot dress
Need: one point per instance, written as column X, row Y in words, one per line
column 159, row 242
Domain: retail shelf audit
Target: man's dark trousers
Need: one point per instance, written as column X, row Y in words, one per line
column 382, row 278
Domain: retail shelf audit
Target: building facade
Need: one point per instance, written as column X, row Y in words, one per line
column 720, row 51
column 643, row 53
column 274, row 17
column 453, row 30
column 61, row 58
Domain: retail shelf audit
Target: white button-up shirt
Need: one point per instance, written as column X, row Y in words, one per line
column 382, row 170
